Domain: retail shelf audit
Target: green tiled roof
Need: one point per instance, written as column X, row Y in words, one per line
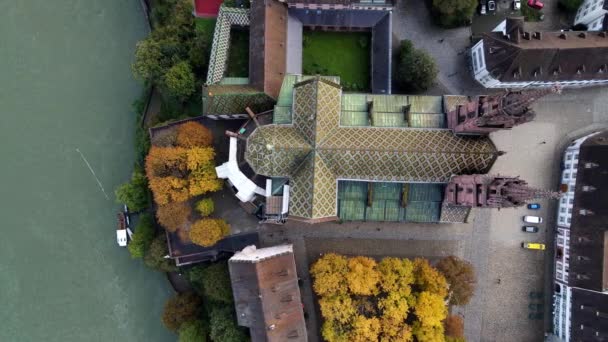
column 316, row 150
column 226, row 99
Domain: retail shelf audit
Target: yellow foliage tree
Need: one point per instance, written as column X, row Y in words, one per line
column 191, row 134
column 429, row 278
column 338, row 308
column 333, row 331
column 329, row 274
column 365, row 329
column 362, row 276
column 394, row 313
column 425, row 333
column 174, row 215
column 169, row 189
column 207, row 232
column 430, row 309
column 166, row 161
column 396, row 275
column 203, row 180
column 198, row 157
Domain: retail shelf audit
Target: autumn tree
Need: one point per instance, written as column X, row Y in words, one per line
column 396, row 275
column 206, row 232
column 429, row 279
column 332, row 331
column 339, row 308
column 365, row 329
column 362, row 276
column 461, row 277
column 143, row 236
column 205, row 207
column 193, row 331
column 193, row 134
column 166, row 161
column 426, row 333
column 174, row 215
column 134, row 193
column 182, row 308
column 329, row 274
column 454, row 326
column 430, row 309
column 155, row 255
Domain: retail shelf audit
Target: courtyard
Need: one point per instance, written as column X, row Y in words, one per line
column 343, row 54
column 238, row 54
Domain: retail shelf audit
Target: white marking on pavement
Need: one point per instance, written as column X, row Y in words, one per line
column 93, row 172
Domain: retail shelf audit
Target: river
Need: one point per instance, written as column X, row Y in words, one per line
column 66, row 141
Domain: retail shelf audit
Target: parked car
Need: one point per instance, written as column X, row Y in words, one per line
column 516, row 4
column 533, row 206
column 533, row 245
column 533, row 219
column 491, row 6
column 529, row 229
column 482, row 9
column 537, row 4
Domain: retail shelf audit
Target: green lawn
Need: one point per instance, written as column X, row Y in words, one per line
column 344, row 54
column 205, row 25
column 238, row 55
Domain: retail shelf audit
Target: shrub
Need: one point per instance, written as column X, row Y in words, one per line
column 454, row 326
column 213, row 281
column 453, row 13
column 193, row 331
column 155, row 255
column 193, row 134
column 134, row 193
column 165, row 138
column 184, row 307
column 223, row 325
column 416, row 69
column 207, row 232
column 205, row 206
column 174, row 215
column 461, row 277
column 179, row 81
column 143, row 236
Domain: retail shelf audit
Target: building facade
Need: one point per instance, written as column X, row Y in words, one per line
column 515, row 58
column 580, row 298
column 593, row 14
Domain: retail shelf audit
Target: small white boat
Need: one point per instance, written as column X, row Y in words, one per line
column 121, row 231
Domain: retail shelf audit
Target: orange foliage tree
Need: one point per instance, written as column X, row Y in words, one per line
column 461, row 277
column 192, row 134
column 182, row 308
column 454, row 326
column 174, row 215
column 207, row 232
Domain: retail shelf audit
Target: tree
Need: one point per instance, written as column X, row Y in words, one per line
column 149, row 62
column 430, row 309
column 194, row 331
column 461, row 277
column 166, row 162
column 416, row 70
column 426, row 333
column 207, row 232
column 174, row 215
column 180, row 81
column 339, row 308
column 329, row 274
column 184, row 307
column 365, row 329
column 205, row 207
column 429, row 279
column 454, row 326
column 143, row 236
column 334, row 332
column 362, row 276
column 223, row 325
column 204, row 180
column 193, row 134
column 134, row 193
column 213, row 281
column 453, row 13
column 570, row 5
column 155, row 255
column 396, row 275
column 169, row 189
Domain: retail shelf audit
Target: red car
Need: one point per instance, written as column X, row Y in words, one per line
column 536, row 4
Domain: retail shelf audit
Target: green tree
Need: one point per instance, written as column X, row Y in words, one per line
column 155, row 255
column 453, row 13
column 570, row 5
column 213, row 281
column 460, row 275
column 416, row 70
column 180, row 81
column 134, row 193
column 194, row 331
column 149, row 62
column 205, row 207
column 184, row 307
column 143, row 236
column 223, row 325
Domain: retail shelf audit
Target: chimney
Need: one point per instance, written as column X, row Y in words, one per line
column 602, row 34
column 582, row 35
column 538, row 35
column 563, row 35
column 527, row 35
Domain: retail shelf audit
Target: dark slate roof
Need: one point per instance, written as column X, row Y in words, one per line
column 552, row 56
column 338, row 18
column 257, row 27
column 381, row 56
column 589, row 316
column 589, row 233
column 186, row 253
column 321, row 2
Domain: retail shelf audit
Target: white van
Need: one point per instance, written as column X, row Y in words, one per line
column 533, row 219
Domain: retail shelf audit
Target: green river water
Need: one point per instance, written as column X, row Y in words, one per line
column 65, row 87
